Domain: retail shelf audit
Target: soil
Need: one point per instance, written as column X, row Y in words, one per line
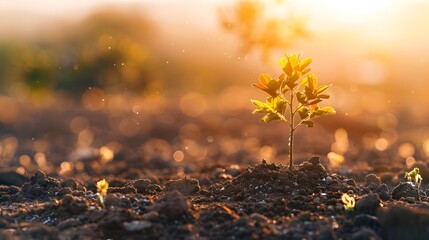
column 234, row 196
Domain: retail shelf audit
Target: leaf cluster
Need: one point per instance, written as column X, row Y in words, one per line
column 300, row 85
column 414, row 176
column 349, row 202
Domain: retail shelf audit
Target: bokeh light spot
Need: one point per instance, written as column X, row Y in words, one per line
column 406, row 150
column 178, row 156
column 193, row 104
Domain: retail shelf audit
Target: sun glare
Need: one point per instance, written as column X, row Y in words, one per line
column 348, row 11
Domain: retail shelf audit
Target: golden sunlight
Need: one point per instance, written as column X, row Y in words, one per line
column 350, row 11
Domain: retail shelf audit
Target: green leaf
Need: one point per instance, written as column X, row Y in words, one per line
column 282, row 62
column 264, row 78
column 303, row 81
column 327, row 110
column 303, row 112
column 312, row 82
column 306, row 71
column 322, row 88
column 270, row 117
column 304, row 63
column 308, row 123
column 301, row 98
column 316, row 101
column 257, row 103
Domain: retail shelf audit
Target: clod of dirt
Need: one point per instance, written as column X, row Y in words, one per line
column 185, row 186
column 399, row 223
column 116, row 200
column 145, row 186
column 262, row 179
column 124, row 190
column 172, row 205
column 404, row 190
column 372, row 181
column 383, row 192
column 41, row 186
column 73, row 205
column 6, row 192
column 368, row 204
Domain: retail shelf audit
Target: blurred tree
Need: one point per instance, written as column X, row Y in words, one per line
column 108, row 49
column 263, row 24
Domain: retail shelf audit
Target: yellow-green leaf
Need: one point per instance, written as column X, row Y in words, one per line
column 312, row 82
column 328, row 110
column 264, row 78
column 282, row 62
column 304, row 63
column 323, row 88
column 257, row 103
column 308, row 123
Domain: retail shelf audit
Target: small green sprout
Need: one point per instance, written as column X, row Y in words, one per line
column 102, row 187
column 349, row 202
column 295, row 92
column 414, row 176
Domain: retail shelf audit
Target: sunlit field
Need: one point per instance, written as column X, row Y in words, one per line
column 163, row 100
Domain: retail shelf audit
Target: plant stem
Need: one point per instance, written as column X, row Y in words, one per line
column 292, row 130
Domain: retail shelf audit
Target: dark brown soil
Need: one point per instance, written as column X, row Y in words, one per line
column 228, row 194
column 265, row 201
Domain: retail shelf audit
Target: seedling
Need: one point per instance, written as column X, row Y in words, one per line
column 349, row 202
column 414, row 176
column 102, row 187
column 295, row 92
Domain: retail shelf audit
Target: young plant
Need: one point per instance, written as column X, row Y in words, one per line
column 349, row 202
column 294, row 93
column 414, row 177
column 102, row 187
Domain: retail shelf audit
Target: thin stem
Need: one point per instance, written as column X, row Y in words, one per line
column 292, row 130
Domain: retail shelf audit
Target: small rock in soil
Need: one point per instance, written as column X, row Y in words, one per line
column 185, row 186
column 404, row 190
column 172, row 205
column 136, row 226
column 398, row 223
column 314, row 160
column 372, row 181
column 368, row 204
column 145, row 186
column 410, row 199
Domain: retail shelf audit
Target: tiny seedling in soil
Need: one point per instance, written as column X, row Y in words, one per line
column 294, row 92
column 102, row 187
column 415, row 178
column 349, row 202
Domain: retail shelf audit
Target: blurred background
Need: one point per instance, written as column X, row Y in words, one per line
column 170, row 80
